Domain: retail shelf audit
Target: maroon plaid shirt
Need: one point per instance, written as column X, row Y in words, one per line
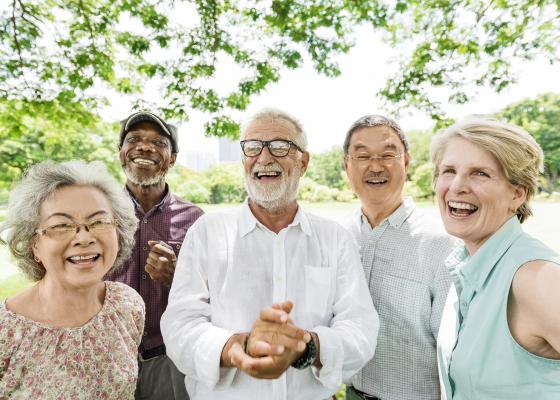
column 169, row 221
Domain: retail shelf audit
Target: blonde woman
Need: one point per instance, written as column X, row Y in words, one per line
column 500, row 332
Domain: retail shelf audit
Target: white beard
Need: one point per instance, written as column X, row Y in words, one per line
column 273, row 197
column 144, row 181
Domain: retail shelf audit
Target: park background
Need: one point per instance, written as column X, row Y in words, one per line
column 72, row 69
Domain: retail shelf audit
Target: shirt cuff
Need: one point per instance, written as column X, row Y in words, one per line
column 330, row 352
column 207, row 359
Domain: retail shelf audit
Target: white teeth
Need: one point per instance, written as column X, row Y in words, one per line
column 82, row 258
column 268, row 173
column 144, row 161
column 462, row 206
column 376, row 180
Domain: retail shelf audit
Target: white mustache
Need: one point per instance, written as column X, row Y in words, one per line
column 266, row 168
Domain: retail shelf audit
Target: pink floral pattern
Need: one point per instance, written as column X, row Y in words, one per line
column 95, row 361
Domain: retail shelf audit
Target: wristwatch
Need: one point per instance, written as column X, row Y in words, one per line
column 308, row 357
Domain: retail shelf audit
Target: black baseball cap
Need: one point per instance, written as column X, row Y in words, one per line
column 147, row 116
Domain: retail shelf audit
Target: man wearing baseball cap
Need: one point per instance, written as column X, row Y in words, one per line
column 147, row 150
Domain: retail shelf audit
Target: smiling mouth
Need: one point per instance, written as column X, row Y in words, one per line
column 376, row 181
column 143, row 161
column 267, row 175
column 461, row 209
column 84, row 259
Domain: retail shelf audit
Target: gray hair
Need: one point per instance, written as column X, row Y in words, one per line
column 368, row 121
column 517, row 152
column 273, row 114
column 41, row 181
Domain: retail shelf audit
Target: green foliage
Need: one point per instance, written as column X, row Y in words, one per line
column 51, row 47
column 420, row 186
column 312, row 191
column 541, row 118
column 32, row 131
column 190, row 185
column 226, row 183
column 454, row 45
column 12, row 285
column 64, row 49
column 419, row 148
column 327, row 168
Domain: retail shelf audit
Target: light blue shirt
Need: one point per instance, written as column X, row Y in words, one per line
column 477, row 355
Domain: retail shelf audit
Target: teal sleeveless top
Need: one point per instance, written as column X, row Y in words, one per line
column 477, row 355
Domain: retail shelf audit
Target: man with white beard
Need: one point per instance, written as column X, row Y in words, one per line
column 269, row 301
column 147, row 150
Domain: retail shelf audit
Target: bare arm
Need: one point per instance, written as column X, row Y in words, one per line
column 534, row 306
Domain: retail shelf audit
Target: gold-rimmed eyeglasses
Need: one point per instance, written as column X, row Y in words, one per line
column 385, row 158
column 69, row 229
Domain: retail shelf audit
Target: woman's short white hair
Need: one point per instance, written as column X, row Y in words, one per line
column 41, row 181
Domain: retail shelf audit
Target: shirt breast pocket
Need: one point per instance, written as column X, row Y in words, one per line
column 317, row 290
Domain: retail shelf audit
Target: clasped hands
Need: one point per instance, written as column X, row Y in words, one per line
column 272, row 346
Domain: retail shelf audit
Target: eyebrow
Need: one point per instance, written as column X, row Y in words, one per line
column 56, row 214
column 390, row 146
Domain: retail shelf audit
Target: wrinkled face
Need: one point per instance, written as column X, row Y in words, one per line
column 272, row 182
column 378, row 183
column 474, row 196
column 76, row 259
column 146, row 155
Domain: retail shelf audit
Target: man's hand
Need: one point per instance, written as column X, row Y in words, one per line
column 160, row 264
column 274, row 344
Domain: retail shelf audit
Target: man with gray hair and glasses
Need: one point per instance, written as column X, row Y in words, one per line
column 269, row 301
column 403, row 253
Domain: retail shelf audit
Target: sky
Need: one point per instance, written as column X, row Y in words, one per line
column 328, row 106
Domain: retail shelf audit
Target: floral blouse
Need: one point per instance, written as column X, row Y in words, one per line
column 95, row 361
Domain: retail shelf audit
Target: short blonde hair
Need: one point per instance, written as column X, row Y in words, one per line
column 517, row 152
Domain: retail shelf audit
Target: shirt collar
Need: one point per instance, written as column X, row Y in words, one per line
column 165, row 201
column 477, row 268
column 247, row 221
column 397, row 217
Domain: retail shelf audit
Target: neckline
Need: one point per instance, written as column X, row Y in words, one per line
column 29, row 321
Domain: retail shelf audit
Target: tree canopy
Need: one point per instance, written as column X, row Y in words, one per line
column 68, row 50
column 32, row 131
column 541, row 118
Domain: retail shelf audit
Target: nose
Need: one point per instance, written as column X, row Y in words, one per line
column 265, row 157
column 459, row 184
column 375, row 165
column 83, row 236
column 145, row 145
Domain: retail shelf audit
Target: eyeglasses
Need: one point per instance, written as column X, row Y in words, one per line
column 385, row 159
column 68, row 230
column 277, row 147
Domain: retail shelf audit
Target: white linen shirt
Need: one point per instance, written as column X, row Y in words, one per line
column 231, row 266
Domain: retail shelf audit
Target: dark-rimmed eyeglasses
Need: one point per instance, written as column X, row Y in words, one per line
column 69, row 229
column 276, row 147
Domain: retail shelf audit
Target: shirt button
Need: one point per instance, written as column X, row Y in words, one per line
column 144, row 276
column 145, row 333
column 178, row 246
column 145, row 248
column 145, row 221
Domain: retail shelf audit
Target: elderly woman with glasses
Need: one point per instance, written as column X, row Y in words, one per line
column 70, row 335
column 500, row 332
